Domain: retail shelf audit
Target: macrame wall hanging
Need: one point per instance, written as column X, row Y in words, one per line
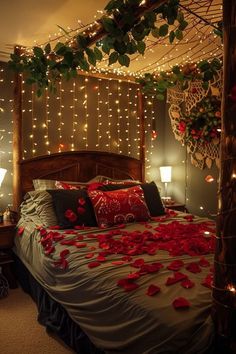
column 195, row 116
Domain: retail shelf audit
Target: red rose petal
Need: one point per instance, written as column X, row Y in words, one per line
column 193, row 267
column 94, row 264
column 81, row 201
column 64, row 253
column 203, row 262
column 176, row 278
column 208, row 281
column 89, row 255
column 138, row 263
column 152, row 290
column 101, row 258
column 80, row 210
column 20, row 231
column 133, row 276
column 80, row 244
column 187, row 284
column 175, row 265
column 117, row 262
column 181, row 303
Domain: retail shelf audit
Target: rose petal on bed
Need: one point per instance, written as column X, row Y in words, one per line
column 176, row 278
column 20, row 231
column 68, row 242
column 175, row 265
column 64, row 263
column 117, row 262
column 187, row 284
column 203, row 262
column 133, row 276
column 181, row 303
column 193, row 267
column 49, row 250
column 189, row 217
column 89, row 255
column 152, row 290
column 138, row 263
column 101, row 258
column 208, row 281
column 80, row 244
column 64, row 253
column 127, row 258
column 80, row 238
column 94, row 264
column 55, row 227
column 43, row 232
column 70, row 232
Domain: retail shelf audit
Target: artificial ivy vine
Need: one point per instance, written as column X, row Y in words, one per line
column 205, row 71
column 120, row 33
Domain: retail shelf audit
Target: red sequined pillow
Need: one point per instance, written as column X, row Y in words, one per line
column 70, row 185
column 119, row 206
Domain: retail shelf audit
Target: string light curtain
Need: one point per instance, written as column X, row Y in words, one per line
column 87, row 113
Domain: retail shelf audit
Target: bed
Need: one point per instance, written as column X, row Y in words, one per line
column 136, row 286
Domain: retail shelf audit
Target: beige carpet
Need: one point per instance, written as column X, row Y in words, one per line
column 20, row 332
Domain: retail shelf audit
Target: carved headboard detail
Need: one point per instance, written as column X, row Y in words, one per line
column 79, row 166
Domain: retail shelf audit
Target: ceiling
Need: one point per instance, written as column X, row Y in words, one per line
column 27, row 22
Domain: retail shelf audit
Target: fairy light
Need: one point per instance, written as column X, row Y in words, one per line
column 137, row 139
column 119, row 117
column 47, row 120
column 127, row 130
column 85, row 104
column 74, row 100
column 60, row 113
column 109, row 116
column 33, row 122
column 99, row 116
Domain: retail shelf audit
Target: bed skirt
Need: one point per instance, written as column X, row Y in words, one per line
column 52, row 315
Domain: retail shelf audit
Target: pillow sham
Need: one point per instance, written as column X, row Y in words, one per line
column 151, row 195
column 44, row 184
column 38, row 206
column 119, row 206
column 105, row 179
column 72, row 208
column 70, row 185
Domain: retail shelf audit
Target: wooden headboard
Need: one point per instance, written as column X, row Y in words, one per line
column 78, row 166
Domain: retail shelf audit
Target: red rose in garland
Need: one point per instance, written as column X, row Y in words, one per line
column 203, row 123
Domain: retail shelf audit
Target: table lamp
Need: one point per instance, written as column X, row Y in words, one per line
column 165, row 172
column 2, row 174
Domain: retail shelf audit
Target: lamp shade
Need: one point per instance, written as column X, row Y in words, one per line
column 165, row 173
column 2, row 174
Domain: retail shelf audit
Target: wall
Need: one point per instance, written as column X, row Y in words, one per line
column 54, row 123
column 6, row 105
column 189, row 185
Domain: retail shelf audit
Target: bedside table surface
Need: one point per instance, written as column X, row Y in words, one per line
column 7, row 225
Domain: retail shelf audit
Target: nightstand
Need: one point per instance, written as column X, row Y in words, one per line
column 7, row 233
column 177, row 207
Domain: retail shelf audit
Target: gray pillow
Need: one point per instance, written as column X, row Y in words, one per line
column 38, row 205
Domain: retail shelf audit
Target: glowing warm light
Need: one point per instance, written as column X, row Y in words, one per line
column 209, row 179
column 231, row 288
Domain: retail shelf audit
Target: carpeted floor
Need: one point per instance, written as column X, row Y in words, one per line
column 20, row 331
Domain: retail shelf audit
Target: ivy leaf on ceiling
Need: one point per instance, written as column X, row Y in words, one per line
column 120, row 33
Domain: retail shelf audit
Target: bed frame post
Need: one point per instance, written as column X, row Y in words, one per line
column 142, row 130
column 224, row 290
column 17, row 138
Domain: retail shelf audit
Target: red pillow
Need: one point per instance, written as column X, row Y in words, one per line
column 119, row 206
column 65, row 185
